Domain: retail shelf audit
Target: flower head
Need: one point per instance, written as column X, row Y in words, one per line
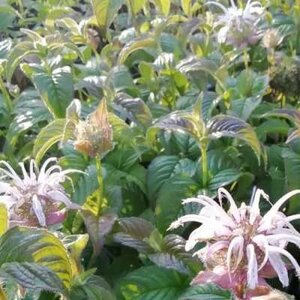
column 35, row 198
column 242, row 246
column 239, row 25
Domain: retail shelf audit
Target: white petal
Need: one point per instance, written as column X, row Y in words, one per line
column 58, row 196
column 288, row 255
column 254, row 210
column 279, row 267
column 38, row 210
column 252, row 273
column 233, row 208
column 261, row 241
column 235, row 246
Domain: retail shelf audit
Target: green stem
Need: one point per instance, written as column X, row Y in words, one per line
column 204, row 164
column 100, row 181
column 245, row 57
column 6, row 96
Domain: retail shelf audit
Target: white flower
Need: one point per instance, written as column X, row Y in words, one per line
column 239, row 25
column 242, row 246
column 35, row 198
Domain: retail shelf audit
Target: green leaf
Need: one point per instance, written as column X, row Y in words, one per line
column 243, row 108
column 223, row 178
column 5, row 47
column 38, row 246
column 18, row 52
column 133, row 232
column 163, row 6
column 163, row 168
column 92, row 288
column 186, row 6
column 55, row 87
column 136, row 5
column 206, row 292
column 170, row 196
column 148, row 283
column 33, row 276
column 137, row 110
column 287, row 113
column 141, row 43
column 227, row 126
column 47, row 137
column 105, row 11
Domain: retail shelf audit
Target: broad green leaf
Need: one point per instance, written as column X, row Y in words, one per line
column 243, row 108
column 163, row 6
column 86, row 185
column 287, row 113
column 55, row 87
column 178, row 121
column 186, row 6
column 142, row 43
column 149, row 283
column 29, row 111
column 223, row 178
column 172, row 255
column 33, row 276
column 292, row 173
column 47, row 137
column 38, row 246
column 5, row 47
column 91, row 288
column 137, row 110
column 206, row 292
column 136, row 5
column 227, row 126
column 3, row 218
column 132, row 232
column 163, row 168
column 15, row 57
column 105, row 11
column 170, row 196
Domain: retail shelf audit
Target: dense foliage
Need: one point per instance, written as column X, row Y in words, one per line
column 152, row 101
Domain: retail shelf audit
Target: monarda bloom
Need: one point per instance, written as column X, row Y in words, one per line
column 238, row 27
column 35, row 198
column 242, row 247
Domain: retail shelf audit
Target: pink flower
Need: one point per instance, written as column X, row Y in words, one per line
column 242, row 246
column 35, row 199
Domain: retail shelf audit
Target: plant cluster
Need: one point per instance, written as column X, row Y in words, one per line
column 112, row 112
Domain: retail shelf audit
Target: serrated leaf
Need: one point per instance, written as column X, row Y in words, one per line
column 55, row 87
column 206, row 292
column 105, row 10
column 38, row 246
column 133, row 233
column 223, row 178
column 148, row 283
column 227, row 126
column 170, row 197
column 33, row 276
column 163, row 168
column 47, row 137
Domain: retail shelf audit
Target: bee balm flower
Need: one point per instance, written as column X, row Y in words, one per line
column 239, row 25
column 242, row 246
column 35, row 199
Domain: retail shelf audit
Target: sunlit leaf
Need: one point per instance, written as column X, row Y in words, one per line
column 48, row 136
column 226, row 126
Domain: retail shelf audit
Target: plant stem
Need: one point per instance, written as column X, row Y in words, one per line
column 6, row 96
column 204, row 164
column 100, row 181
